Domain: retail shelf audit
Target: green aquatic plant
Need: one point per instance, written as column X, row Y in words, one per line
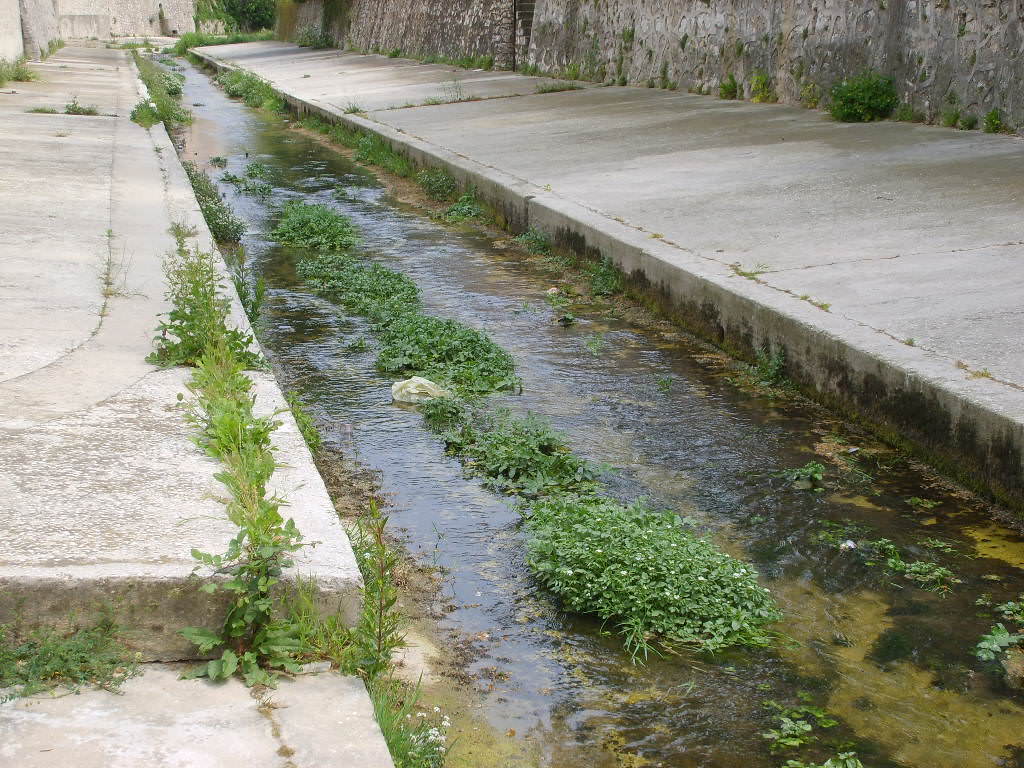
column 645, row 571
column 315, row 226
column 796, row 725
column 995, row 643
column 810, row 477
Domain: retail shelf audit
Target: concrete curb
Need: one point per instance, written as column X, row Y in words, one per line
column 973, row 429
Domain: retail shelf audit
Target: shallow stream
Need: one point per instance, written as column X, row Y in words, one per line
column 892, row 662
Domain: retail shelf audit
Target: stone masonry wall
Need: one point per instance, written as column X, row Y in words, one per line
column 419, row 28
column 967, row 51
column 121, row 18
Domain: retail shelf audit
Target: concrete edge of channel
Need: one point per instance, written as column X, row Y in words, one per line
column 327, row 560
column 151, row 602
column 970, row 428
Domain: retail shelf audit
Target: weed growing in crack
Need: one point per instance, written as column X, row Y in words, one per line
column 45, row 659
column 197, row 320
column 224, row 225
column 17, row 70
column 74, row 108
column 558, row 86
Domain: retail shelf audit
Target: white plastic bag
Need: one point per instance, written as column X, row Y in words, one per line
column 416, row 390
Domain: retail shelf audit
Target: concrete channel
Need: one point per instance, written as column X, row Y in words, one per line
column 881, row 259
column 105, row 493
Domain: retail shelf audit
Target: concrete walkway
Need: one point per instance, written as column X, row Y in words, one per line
column 889, row 257
column 105, row 494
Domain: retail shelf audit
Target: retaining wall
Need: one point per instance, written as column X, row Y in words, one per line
column 11, row 47
column 38, row 26
column 121, row 18
column 970, row 52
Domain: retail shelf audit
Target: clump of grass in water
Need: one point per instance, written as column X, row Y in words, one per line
column 643, row 569
column 223, row 224
column 411, row 343
column 253, row 90
column 47, row 659
column 315, row 226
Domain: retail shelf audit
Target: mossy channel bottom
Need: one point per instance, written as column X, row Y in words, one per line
column 892, row 662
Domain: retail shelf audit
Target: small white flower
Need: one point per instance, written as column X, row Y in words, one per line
column 437, row 709
column 421, row 714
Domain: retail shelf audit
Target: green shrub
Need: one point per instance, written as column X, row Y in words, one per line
column 437, row 183
column 994, row 122
column 968, row 122
column 224, row 225
column 251, row 14
column 605, row 278
column 761, row 89
column 729, row 88
column 950, row 117
column 866, row 97
column 643, row 569
column 315, row 226
column 810, row 95
column 906, row 113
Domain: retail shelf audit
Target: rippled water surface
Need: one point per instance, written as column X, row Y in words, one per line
column 894, row 663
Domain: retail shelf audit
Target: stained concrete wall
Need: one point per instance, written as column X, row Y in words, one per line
column 971, row 50
column 11, row 47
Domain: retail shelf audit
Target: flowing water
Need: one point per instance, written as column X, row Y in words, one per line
column 892, row 662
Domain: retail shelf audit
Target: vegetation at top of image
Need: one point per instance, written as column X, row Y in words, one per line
column 197, row 320
column 863, row 98
column 17, row 70
column 254, row 91
column 224, row 225
column 191, row 40
column 315, row 226
column 729, row 88
column 644, row 570
column 46, row 658
column 437, row 183
column 251, row 14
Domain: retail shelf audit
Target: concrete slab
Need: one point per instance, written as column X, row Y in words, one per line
column 106, row 494
column 909, row 235
column 369, row 81
column 159, row 720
